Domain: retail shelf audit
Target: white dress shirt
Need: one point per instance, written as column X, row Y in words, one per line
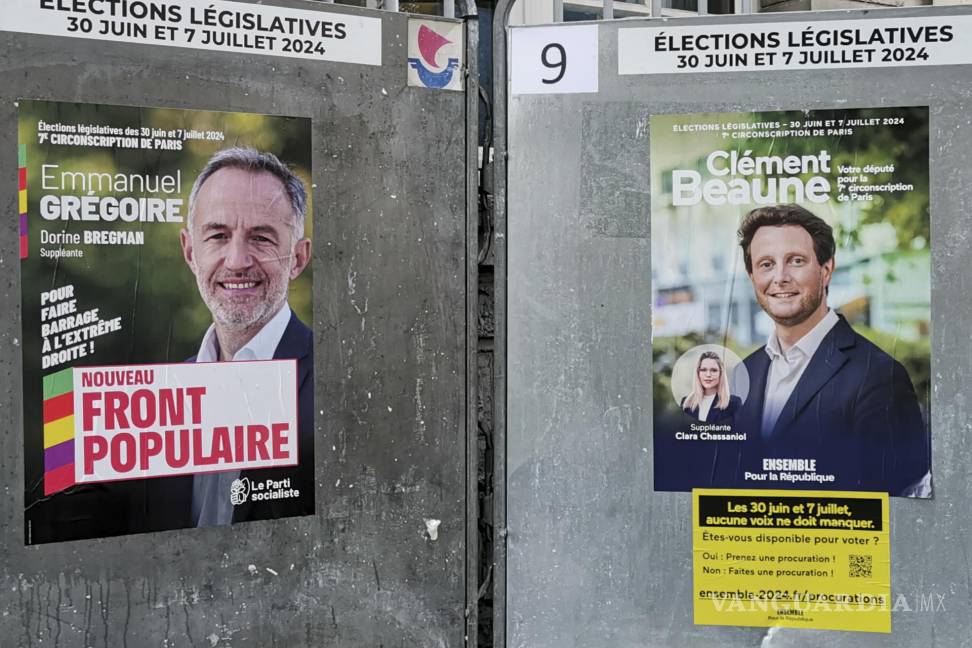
column 261, row 347
column 211, row 504
column 705, row 405
column 786, row 367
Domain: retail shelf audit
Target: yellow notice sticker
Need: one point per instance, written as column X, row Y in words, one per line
column 801, row 559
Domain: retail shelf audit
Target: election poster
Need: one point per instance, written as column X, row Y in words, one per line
column 166, row 306
column 791, row 309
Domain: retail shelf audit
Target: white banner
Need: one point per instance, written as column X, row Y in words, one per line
column 141, row 421
column 216, row 25
column 890, row 42
column 553, row 60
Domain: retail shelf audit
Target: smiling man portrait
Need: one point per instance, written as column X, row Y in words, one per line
column 244, row 242
column 819, row 390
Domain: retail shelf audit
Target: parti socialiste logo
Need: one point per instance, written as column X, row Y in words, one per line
column 435, row 54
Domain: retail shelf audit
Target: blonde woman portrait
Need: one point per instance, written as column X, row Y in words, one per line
column 710, row 400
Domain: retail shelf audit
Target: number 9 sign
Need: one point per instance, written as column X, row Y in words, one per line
column 560, row 63
column 548, row 60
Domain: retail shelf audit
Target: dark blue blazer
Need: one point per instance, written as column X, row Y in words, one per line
column 169, row 504
column 717, row 415
column 297, row 342
column 854, row 410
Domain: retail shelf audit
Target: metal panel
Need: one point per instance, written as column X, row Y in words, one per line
column 595, row 557
column 390, row 250
column 500, row 274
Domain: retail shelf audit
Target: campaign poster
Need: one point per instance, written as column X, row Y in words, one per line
column 791, row 292
column 166, row 308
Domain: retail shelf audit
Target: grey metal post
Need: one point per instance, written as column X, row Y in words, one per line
column 449, row 8
column 656, row 8
column 471, row 18
column 558, row 10
column 703, row 7
column 608, row 12
column 501, row 19
column 391, row 5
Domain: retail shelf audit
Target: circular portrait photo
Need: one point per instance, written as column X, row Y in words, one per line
column 710, row 383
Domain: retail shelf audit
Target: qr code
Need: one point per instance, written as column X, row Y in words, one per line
column 859, row 566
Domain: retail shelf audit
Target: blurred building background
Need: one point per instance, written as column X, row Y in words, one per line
column 536, row 12
column 707, row 291
column 530, row 12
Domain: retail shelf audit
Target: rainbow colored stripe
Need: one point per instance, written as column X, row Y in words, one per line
column 58, row 431
column 22, row 197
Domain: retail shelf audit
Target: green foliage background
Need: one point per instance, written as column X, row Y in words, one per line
column 149, row 286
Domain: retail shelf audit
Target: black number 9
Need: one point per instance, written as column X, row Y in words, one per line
column 561, row 62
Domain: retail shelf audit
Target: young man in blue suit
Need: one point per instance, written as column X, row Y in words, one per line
column 825, row 405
